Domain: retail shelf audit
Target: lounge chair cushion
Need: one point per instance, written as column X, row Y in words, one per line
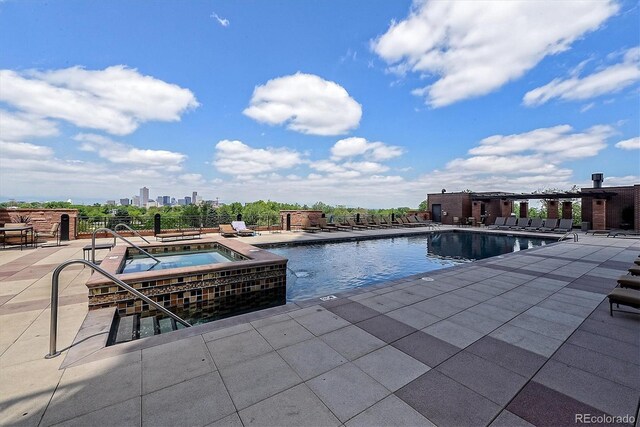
column 628, row 281
column 628, row 297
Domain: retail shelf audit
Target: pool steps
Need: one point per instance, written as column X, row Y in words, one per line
column 133, row 327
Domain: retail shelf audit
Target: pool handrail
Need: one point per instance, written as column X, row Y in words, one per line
column 53, row 328
column 130, row 229
column 565, row 235
column 115, row 234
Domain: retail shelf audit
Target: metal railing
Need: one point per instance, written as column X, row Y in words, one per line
column 130, row 229
column 575, row 236
column 53, row 331
column 115, row 234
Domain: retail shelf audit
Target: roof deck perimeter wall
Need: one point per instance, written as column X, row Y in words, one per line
column 627, row 197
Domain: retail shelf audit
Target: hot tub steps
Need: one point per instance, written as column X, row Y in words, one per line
column 133, row 327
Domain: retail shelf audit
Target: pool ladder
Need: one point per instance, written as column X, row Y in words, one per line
column 53, row 331
column 115, row 234
column 565, row 235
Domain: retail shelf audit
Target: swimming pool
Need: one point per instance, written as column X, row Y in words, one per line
column 143, row 263
column 317, row 270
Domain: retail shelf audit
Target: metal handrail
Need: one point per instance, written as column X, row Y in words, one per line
column 53, row 331
column 575, row 236
column 115, row 234
column 130, row 229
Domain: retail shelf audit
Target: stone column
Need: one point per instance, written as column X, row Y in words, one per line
column 506, row 207
column 524, row 209
column 599, row 214
column 567, row 210
column 476, row 209
column 552, row 209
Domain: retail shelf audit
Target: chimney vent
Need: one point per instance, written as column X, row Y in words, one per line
column 597, row 179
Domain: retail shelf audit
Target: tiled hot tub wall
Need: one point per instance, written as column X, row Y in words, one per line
column 256, row 280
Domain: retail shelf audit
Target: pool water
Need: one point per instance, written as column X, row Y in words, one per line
column 144, row 263
column 323, row 269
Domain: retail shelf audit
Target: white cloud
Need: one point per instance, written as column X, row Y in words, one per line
column 473, row 48
column 17, row 126
column 355, row 146
column 366, row 167
column 117, row 152
column 117, row 99
column 608, row 80
column 222, row 21
column 237, row 158
column 629, row 144
column 23, row 150
column 306, row 103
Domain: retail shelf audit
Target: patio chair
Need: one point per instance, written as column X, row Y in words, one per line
column 634, row 270
column 309, row 228
column 53, row 233
column 413, row 220
column 629, row 281
column 370, row 224
column 380, row 224
column 521, row 224
column 510, row 222
column 566, row 225
column 390, row 223
column 535, row 224
column 499, row 221
column 549, row 225
column 322, row 223
column 627, row 297
column 226, row 230
column 353, row 225
column 242, row 229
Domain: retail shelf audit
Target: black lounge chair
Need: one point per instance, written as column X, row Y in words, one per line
column 629, row 281
column 322, row 223
column 353, row 225
column 521, row 224
column 566, row 225
column 535, row 224
column 634, row 270
column 549, row 225
column 628, row 297
column 380, row 224
column 499, row 222
column 510, row 222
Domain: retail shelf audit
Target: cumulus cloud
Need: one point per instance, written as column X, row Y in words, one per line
column 608, row 80
column 24, row 150
column 629, row 144
column 17, row 126
column 117, row 152
column 222, row 21
column 306, row 103
column 237, row 158
column 355, row 146
column 473, row 48
column 116, row 100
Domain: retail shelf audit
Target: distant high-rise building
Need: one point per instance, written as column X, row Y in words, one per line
column 144, row 196
column 198, row 200
column 166, row 200
column 111, row 202
column 136, row 200
column 194, row 197
column 173, row 201
column 125, row 202
column 187, row 200
column 181, row 202
column 159, row 200
column 151, row 204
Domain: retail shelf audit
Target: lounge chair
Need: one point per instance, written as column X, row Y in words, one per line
column 380, row 224
column 566, row 225
column 309, row 228
column 535, row 224
column 637, row 262
column 414, row 220
column 628, row 297
column 390, row 223
column 634, row 270
column 510, row 222
column 370, row 224
column 242, row 229
column 499, row 222
column 521, row 224
column 353, row 225
column 322, row 223
column 226, row 230
column 53, row 233
column 629, row 281
column 549, row 225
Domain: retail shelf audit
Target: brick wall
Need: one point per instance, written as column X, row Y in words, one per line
column 625, row 197
column 298, row 217
column 552, row 209
column 524, row 209
column 567, row 210
column 41, row 219
column 454, row 204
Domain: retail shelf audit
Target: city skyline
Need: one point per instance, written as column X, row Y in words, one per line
column 341, row 102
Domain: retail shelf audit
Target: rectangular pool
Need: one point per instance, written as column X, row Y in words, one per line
column 317, row 270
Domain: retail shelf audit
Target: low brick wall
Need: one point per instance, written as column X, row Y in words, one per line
column 298, row 217
column 41, row 219
column 256, row 280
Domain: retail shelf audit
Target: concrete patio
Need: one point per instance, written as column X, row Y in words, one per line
column 516, row 340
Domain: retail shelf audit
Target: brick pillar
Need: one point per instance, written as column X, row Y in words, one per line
column 567, row 210
column 552, row 209
column 599, row 214
column 524, row 209
column 476, row 209
column 506, row 207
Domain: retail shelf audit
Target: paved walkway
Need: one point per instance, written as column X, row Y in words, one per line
column 521, row 339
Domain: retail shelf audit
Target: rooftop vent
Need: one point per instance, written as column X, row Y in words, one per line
column 597, row 179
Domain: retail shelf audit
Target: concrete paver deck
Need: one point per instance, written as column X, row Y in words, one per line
column 521, row 339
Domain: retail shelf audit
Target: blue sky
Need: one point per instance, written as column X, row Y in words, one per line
column 362, row 103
